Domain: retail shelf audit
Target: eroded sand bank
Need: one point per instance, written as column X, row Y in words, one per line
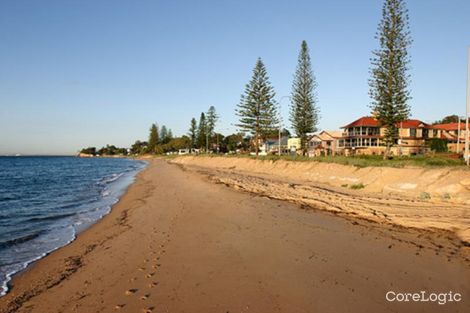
column 321, row 186
column 177, row 242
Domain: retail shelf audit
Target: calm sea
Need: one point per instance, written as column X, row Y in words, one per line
column 45, row 201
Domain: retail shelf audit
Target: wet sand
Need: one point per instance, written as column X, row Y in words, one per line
column 177, row 242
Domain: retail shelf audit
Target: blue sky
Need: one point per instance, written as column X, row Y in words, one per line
column 88, row 73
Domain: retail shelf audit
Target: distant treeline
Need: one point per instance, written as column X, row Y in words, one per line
column 108, row 150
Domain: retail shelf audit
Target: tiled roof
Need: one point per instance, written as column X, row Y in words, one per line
column 413, row 124
column 449, row 126
column 369, row 121
column 364, row 121
column 335, row 133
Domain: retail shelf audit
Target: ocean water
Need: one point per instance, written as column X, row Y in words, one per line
column 46, row 201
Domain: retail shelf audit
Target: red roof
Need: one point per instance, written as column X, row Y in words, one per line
column 449, row 126
column 364, row 121
column 369, row 121
column 413, row 124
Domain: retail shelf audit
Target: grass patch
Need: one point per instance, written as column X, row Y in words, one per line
column 425, row 196
column 446, row 196
column 434, row 161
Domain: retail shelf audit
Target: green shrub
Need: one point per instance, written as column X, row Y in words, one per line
column 425, row 196
column 357, row 186
column 446, row 196
column 438, row 145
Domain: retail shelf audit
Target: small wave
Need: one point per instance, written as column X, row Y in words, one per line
column 15, row 241
column 51, row 217
column 111, row 178
column 8, row 198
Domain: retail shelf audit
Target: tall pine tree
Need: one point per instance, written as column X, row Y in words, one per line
column 389, row 81
column 193, row 132
column 164, row 135
column 153, row 138
column 201, row 132
column 212, row 118
column 257, row 107
column 304, row 111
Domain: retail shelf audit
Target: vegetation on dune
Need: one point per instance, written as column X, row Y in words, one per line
column 436, row 160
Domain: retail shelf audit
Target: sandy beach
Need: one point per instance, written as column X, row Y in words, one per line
column 183, row 239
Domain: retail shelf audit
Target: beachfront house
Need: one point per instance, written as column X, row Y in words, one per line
column 324, row 143
column 272, row 145
column 294, row 145
column 452, row 133
column 365, row 136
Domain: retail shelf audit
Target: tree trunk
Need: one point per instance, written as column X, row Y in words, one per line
column 387, row 151
column 303, row 144
column 257, row 136
column 257, row 144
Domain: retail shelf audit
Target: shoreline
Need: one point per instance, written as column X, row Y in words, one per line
column 167, row 244
column 120, row 187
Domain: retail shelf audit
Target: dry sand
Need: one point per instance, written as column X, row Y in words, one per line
column 177, row 242
column 326, row 186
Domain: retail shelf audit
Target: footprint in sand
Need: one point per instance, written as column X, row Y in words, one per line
column 133, row 279
column 149, row 309
column 145, row 297
column 153, row 284
column 131, row 291
column 149, row 275
column 119, row 306
column 141, row 269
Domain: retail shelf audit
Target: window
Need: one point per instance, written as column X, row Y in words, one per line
column 425, row 133
column 412, row 132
